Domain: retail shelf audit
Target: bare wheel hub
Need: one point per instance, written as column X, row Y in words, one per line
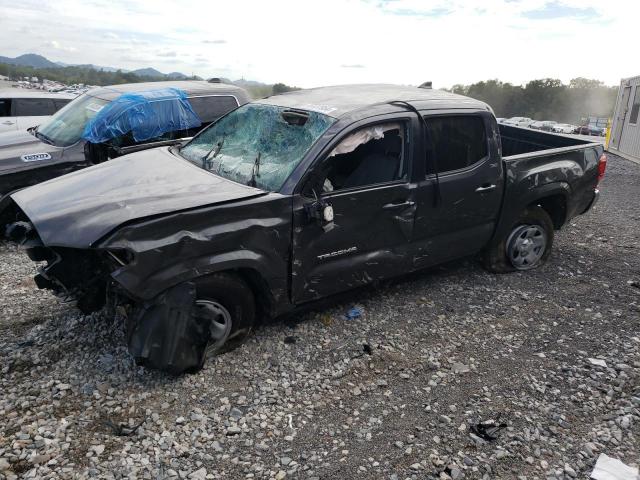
column 219, row 321
column 526, row 246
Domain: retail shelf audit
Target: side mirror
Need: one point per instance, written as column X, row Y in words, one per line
column 321, row 211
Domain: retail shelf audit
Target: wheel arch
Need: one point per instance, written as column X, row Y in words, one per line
column 271, row 292
column 556, row 207
column 553, row 198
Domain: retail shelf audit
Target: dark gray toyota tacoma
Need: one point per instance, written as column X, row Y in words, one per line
column 294, row 198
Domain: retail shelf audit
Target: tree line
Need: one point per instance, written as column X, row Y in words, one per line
column 545, row 99
column 72, row 75
column 91, row 76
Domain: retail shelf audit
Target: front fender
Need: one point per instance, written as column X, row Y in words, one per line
column 193, row 268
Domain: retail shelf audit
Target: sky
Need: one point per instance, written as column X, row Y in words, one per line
column 309, row 43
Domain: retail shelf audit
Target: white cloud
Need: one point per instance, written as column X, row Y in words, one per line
column 57, row 46
column 324, row 42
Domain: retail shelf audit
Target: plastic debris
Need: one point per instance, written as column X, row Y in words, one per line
column 598, row 362
column 326, row 319
column 122, row 429
column 487, row 430
column 353, row 313
column 609, row 468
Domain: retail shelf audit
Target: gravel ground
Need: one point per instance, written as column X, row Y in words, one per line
column 392, row 394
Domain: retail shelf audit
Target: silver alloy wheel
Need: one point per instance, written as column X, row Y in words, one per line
column 526, row 246
column 219, row 320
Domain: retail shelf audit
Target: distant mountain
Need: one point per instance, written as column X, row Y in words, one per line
column 30, row 60
column 176, row 76
column 148, row 72
column 38, row 61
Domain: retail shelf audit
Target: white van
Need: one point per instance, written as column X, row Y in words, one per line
column 21, row 109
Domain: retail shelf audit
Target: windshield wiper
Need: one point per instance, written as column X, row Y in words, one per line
column 215, row 151
column 255, row 171
column 42, row 136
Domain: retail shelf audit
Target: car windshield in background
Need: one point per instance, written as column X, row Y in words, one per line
column 65, row 127
column 257, row 145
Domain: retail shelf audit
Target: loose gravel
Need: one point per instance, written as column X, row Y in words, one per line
column 553, row 355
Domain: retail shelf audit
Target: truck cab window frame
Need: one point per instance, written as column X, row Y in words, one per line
column 446, row 141
column 347, row 166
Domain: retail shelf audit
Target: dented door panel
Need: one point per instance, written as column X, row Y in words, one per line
column 370, row 239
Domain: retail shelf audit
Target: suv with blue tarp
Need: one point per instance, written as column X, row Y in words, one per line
column 108, row 122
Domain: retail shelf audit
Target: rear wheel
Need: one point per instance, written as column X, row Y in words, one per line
column 526, row 245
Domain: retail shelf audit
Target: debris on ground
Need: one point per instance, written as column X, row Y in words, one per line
column 487, row 430
column 353, row 313
column 598, row 362
column 609, row 468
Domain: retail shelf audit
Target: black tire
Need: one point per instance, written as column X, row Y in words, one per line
column 496, row 258
column 232, row 293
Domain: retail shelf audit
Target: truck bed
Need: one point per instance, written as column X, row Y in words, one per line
column 527, row 142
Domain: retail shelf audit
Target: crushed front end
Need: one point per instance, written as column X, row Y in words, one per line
column 74, row 275
column 163, row 332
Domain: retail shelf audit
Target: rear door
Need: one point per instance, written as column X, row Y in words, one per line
column 366, row 179
column 459, row 219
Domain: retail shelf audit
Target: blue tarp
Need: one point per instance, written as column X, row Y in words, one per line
column 147, row 115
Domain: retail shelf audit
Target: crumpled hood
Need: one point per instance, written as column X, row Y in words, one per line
column 78, row 209
column 16, row 144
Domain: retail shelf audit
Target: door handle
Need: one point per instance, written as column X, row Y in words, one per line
column 390, row 206
column 7, row 123
column 485, row 188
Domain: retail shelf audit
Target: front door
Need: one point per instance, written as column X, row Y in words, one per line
column 621, row 118
column 366, row 181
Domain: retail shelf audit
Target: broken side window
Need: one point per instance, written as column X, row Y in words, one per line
column 369, row 156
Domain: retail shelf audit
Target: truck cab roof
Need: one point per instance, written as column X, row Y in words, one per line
column 343, row 100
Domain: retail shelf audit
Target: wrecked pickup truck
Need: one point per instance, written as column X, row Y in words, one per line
column 297, row 197
column 109, row 122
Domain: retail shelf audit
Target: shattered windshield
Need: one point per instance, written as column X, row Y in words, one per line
column 257, row 145
column 65, row 127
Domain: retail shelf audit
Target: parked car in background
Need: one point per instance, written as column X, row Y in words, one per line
column 547, row 125
column 518, row 121
column 21, row 109
column 536, row 125
column 108, row 122
column 590, row 130
column 564, row 128
column 293, row 198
